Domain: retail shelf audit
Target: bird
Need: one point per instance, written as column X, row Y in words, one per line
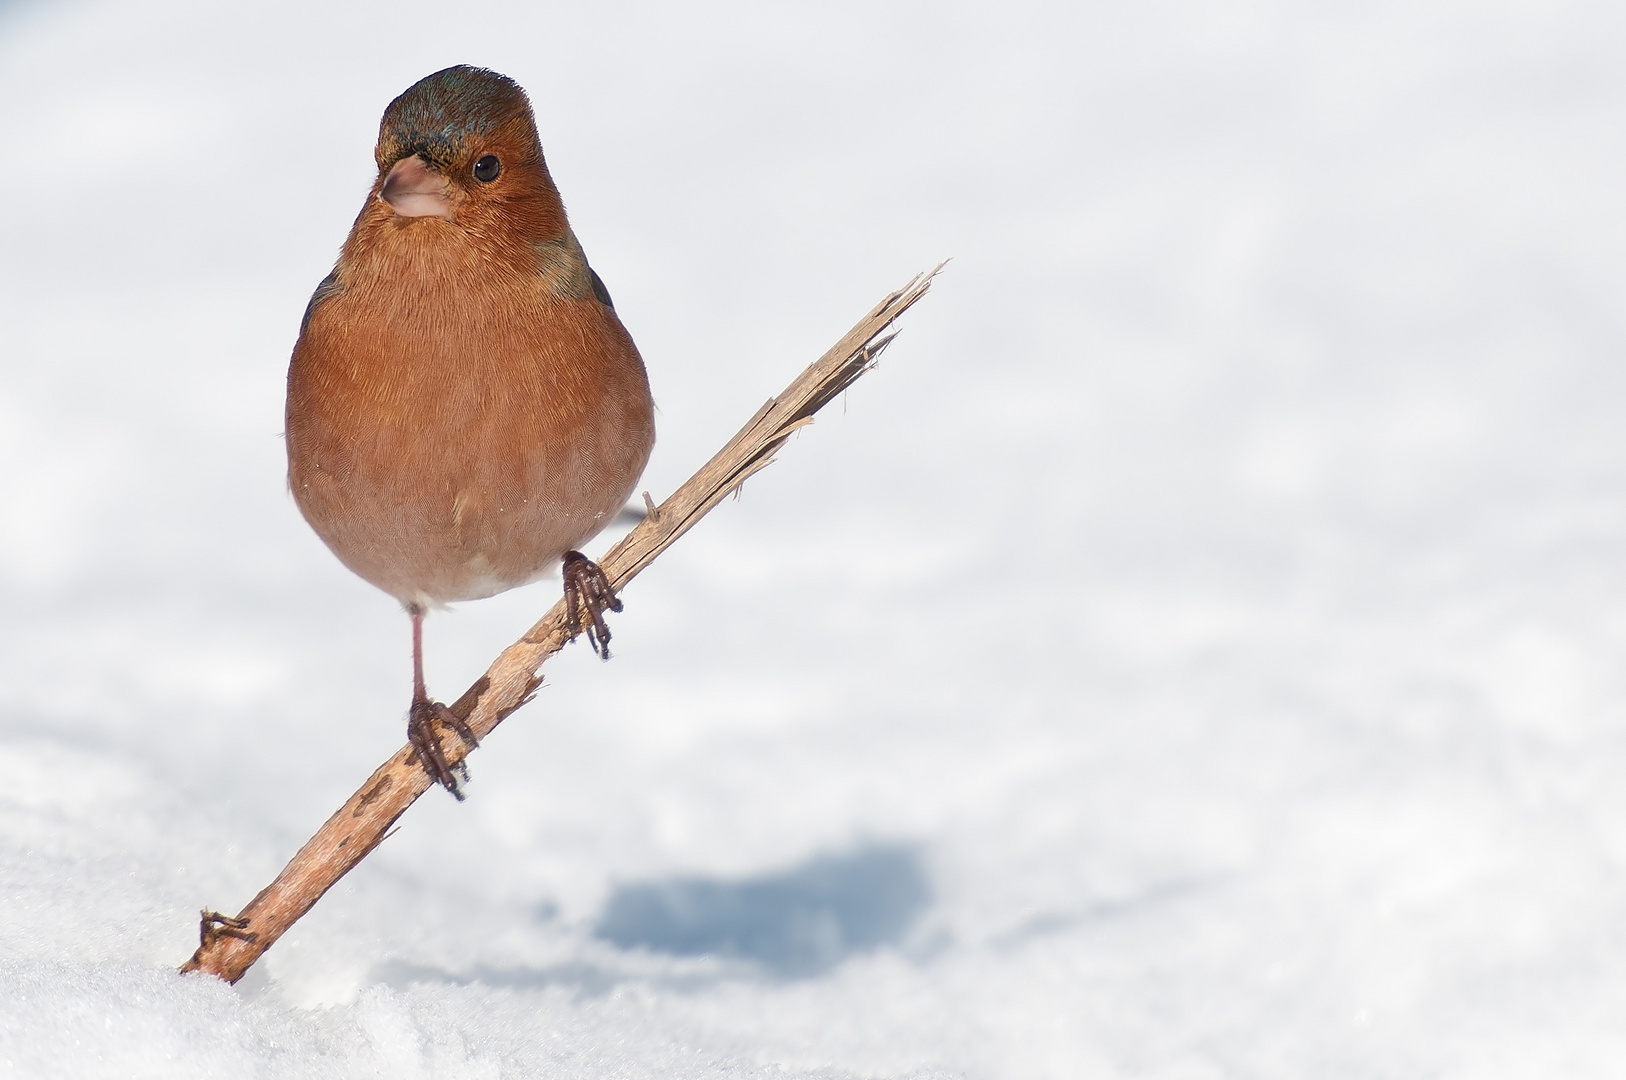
column 465, row 408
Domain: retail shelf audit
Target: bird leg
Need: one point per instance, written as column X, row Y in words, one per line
column 588, row 591
column 424, row 713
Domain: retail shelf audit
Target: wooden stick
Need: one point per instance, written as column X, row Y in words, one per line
column 229, row 945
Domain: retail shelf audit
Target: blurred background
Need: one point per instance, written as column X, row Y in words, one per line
column 1193, row 653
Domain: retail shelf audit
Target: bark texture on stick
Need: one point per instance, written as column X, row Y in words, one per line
column 229, row 946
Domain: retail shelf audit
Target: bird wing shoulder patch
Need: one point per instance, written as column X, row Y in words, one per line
column 599, row 291
column 565, row 273
column 329, row 286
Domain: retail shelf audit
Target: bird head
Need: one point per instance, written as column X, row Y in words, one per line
column 461, row 146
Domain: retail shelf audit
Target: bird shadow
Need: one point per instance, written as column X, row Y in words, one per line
column 795, row 923
column 792, row 924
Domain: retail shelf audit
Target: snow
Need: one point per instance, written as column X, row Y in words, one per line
column 1193, row 653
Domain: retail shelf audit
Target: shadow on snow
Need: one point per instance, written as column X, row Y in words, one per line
column 794, row 923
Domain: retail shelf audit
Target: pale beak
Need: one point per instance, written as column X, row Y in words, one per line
column 413, row 189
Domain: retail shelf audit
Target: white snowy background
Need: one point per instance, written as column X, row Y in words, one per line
column 1195, row 652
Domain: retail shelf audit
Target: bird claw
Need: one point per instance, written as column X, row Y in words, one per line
column 213, row 924
column 426, row 741
column 588, row 591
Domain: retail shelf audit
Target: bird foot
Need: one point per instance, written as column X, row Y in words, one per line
column 426, row 741
column 214, row 925
column 587, row 591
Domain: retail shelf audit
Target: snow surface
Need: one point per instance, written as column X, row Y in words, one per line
column 1196, row 652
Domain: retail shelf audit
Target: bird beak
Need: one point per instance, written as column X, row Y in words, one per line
column 413, row 189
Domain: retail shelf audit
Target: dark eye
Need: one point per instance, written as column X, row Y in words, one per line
column 487, row 169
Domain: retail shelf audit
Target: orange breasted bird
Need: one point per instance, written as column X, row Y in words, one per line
column 465, row 408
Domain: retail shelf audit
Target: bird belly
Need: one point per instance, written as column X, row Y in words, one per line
column 454, row 530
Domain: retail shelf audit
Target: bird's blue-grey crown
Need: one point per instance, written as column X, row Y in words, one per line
column 435, row 115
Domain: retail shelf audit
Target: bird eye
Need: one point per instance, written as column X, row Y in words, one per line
column 487, row 169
